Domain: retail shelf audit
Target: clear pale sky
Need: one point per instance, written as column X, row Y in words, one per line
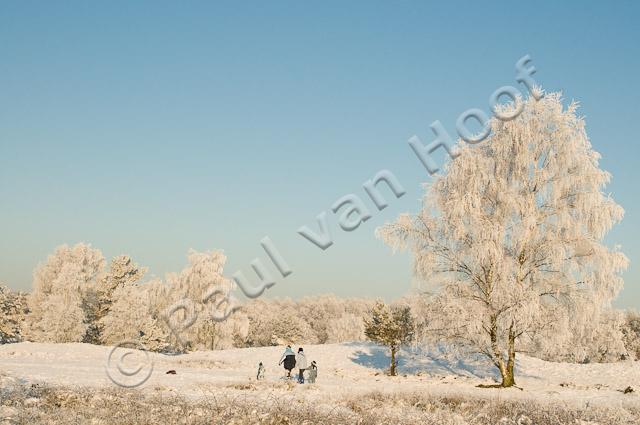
column 149, row 128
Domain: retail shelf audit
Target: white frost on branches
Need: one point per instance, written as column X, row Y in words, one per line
column 131, row 318
column 193, row 286
column 511, row 234
column 13, row 309
column 63, row 288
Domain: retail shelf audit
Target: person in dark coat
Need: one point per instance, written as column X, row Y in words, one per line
column 289, row 360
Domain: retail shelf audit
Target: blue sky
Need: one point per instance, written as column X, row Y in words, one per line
column 149, row 128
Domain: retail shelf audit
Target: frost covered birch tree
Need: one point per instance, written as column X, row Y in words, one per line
column 63, row 317
column 202, row 289
column 62, row 299
column 511, row 233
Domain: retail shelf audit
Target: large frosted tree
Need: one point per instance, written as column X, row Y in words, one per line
column 202, row 289
column 511, row 232
column 123, row 273
column 131, row 317
column 63, row 317
column 62, row 299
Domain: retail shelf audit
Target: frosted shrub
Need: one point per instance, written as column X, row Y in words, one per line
column 631, row 334
column 348, row 327
column 13, row 310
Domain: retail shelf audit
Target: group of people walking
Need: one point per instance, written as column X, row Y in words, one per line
column 290, row 360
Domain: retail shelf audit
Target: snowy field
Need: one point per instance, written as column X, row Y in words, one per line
column 345, row 371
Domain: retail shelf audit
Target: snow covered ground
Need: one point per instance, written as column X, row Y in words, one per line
column 344, row 370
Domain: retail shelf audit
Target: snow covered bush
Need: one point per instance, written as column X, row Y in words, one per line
column 595, row 335
column 346, row 328
column 13, row 309
column 335, row 319
column 318, row 319
column 598, row 338
column 316, row 310
column 230, row 333
column 510, row 234
column 277, row 322
column 631, row 334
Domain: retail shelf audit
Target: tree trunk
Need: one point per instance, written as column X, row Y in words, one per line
column 506, row 369
column 508, row 378
column 392, row 371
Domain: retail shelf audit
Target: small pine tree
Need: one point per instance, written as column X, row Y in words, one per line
column 391, row 327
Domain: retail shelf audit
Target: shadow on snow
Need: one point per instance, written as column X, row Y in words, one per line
column 431, row 363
